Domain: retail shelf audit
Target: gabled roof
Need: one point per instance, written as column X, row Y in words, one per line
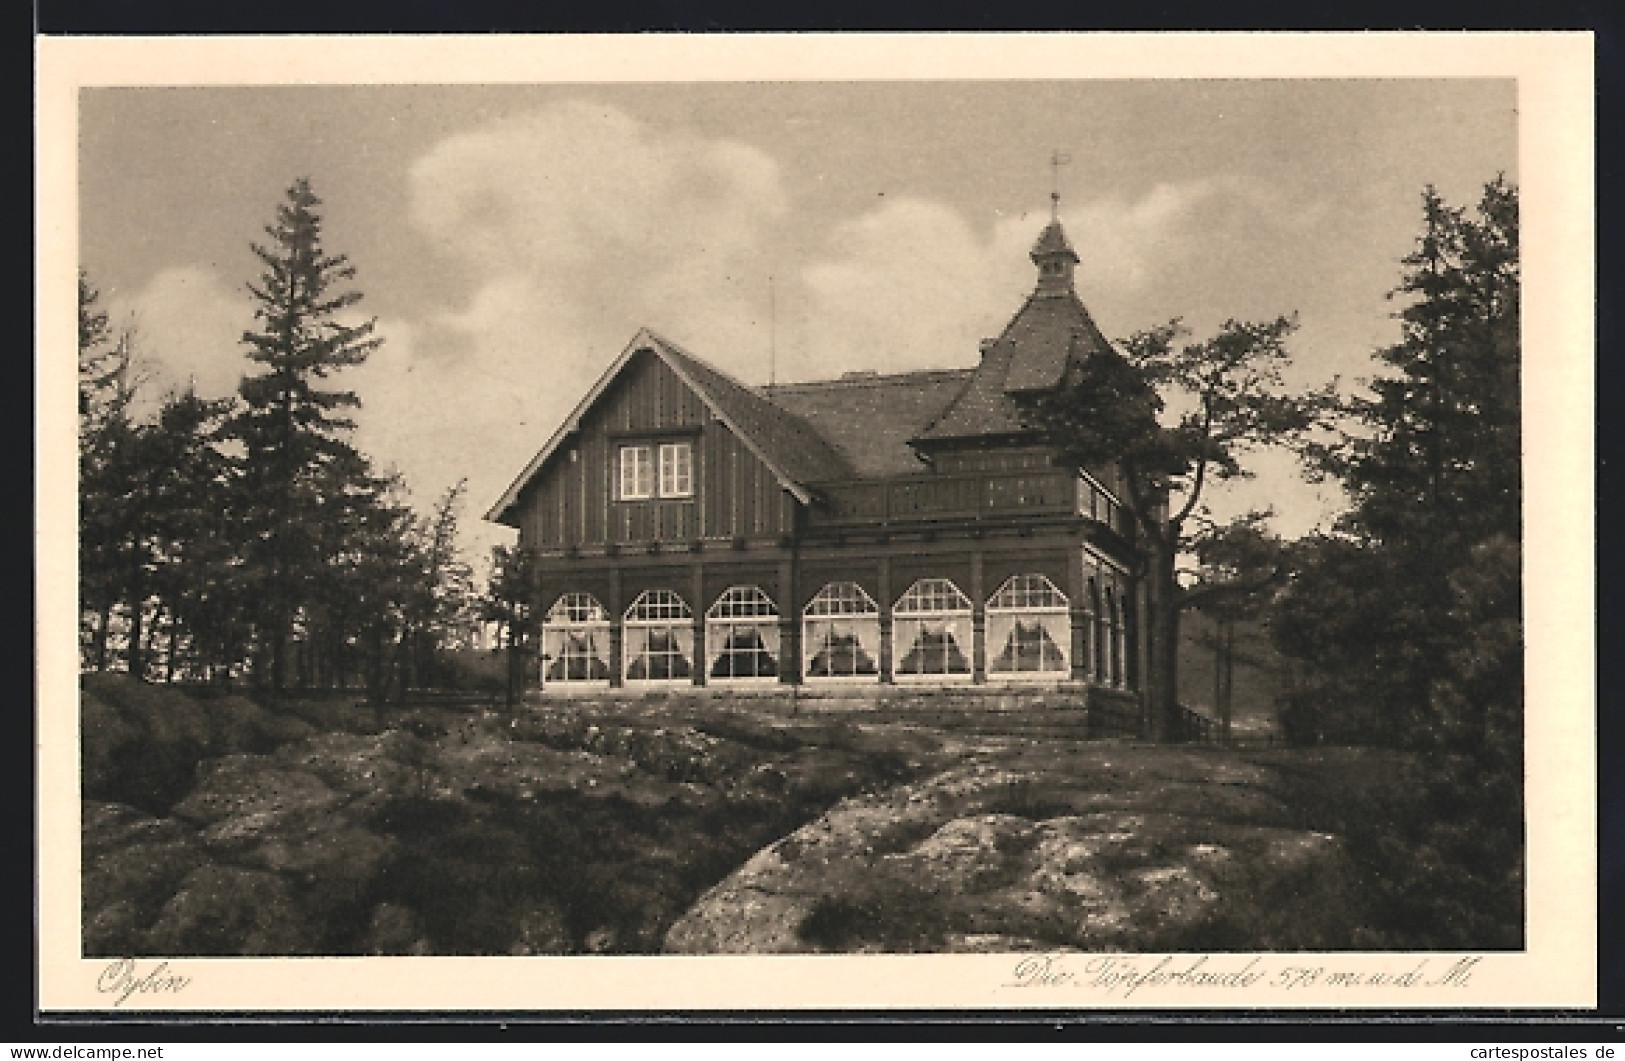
column 792, row 450
column 1032, row 354
column 869, row 418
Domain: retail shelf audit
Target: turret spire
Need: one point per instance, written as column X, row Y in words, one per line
column 1053, row 253
column 1056, row 160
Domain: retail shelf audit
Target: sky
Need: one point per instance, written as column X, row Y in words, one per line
column 511, row 240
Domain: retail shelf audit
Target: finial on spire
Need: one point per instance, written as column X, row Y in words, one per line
column 1056, row 161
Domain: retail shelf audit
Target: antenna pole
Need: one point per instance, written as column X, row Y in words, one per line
column 1056, row 161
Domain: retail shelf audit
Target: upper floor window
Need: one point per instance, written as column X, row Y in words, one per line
column 669, row 466
column 676, row 469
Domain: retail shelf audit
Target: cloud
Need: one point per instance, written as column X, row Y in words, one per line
column 910, row 284
column 187, row 325
column 566, row 229
column 607, row 223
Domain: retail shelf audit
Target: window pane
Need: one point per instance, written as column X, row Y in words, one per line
column 932, row 595
column 636, row 473
column 745, row 649
column 655, row 604
column 842, row 598
column 574, row 651
column 659, row 652
column 1031, row 644
column 676, row 470
column 842, row 648
column 931, row 647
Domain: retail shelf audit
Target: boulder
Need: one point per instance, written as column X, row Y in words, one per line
column 541, row 930
column 132, row 865
column 351, row 764
column 245, row 797
column 944, row 865
column 394, row 929
column 230, row 911
column 140, row 744
column 239, row 725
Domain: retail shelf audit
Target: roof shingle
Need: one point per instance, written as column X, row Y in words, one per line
column 869, row 418
column 1032, row 354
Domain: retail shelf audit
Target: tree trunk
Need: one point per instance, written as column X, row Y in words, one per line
column 102, row 631
column 1226, row 674
column 279, row 654
column 1162, row 683
column 133, row 652
column 169, row 649
column 403, row 659
column 1218, row 679
column 375, row 664
column 513, row 665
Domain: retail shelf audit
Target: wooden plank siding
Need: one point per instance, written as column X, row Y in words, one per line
column 572, row 502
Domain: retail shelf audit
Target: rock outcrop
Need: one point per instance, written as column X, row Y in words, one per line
column 1124, row 849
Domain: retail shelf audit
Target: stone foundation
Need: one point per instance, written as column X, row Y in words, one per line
column 1070, row 709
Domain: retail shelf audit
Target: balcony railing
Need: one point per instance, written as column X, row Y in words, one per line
column 926, row 498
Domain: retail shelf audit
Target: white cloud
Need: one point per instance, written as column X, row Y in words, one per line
column 187, row 325
column 575, row 226
column 910, row 284
column 614, row 225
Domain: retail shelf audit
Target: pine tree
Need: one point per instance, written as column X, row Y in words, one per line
column 292, row 428
column 1433, row 466
column 109, row 512
column 509, row 601
column 1409, row 616
column 192, row 549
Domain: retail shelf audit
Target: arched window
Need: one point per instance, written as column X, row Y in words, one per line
column 1119, row 641
column 742, row 637
column 657, row 640
column 931, row 633
column 1108, row 639
column 575, row 643
column 1096, row 633
column 840, row 634
column 1029, row 633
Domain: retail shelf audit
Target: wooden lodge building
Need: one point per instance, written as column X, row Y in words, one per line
column 893, row 529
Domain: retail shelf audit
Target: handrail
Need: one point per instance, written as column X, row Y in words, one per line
column 924, row 497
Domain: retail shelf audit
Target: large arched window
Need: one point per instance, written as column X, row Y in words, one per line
column 742, row 637
column 1029, row 633
column 1099, row 641
column 1120, row 640
column 575, row 643
column 931, row 633
column 1108, row 630
column 840, row 634
column 657, row 639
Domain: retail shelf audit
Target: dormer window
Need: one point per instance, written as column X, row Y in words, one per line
column 644, row 468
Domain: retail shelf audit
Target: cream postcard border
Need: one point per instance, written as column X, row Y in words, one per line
column 1555, row 74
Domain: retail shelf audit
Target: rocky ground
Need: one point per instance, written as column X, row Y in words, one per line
column 1102, row 846
column 222, row 827
column 219, row 827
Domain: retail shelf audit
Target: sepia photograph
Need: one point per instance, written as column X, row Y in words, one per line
column 1077, row 521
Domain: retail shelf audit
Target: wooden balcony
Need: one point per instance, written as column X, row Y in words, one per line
column 943, row 498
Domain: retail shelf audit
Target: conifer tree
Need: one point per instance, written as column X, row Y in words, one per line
column 293, row 427
column 1432, row 463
